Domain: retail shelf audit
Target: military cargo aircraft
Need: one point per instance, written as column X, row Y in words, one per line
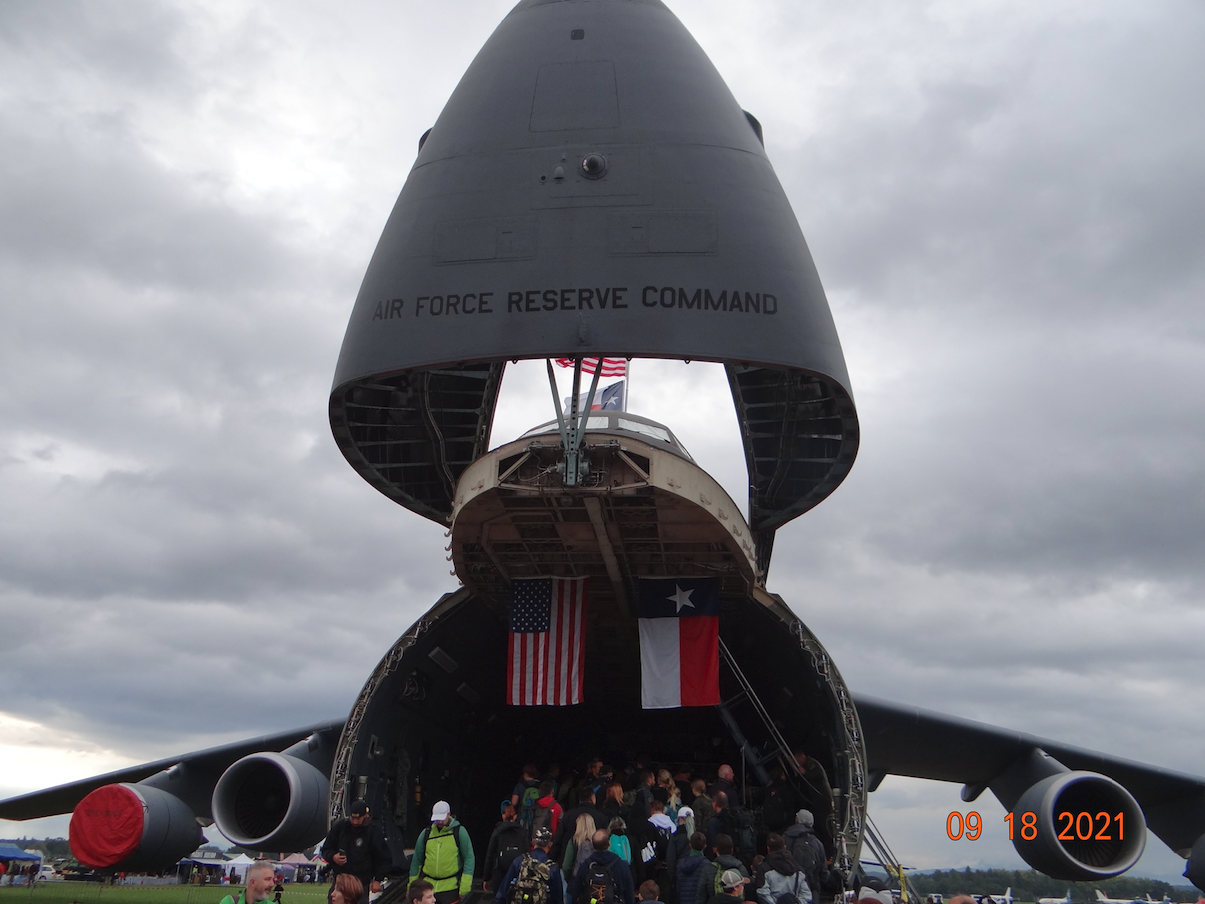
column 592, row 189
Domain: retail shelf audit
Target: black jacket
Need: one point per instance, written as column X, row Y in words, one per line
column 797, row 838
column 677, row 849
column 368, row 856
column 624, row 889
column 505, row 834
column 686, row 877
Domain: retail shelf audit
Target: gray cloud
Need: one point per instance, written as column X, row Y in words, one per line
column 1003, row 201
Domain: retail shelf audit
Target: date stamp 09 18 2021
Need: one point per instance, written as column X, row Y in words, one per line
column 1083, row 826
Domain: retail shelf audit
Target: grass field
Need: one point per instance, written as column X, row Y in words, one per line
column 89, row 892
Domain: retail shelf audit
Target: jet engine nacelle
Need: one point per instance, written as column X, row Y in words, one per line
column 1194, row 869
column 132, row 827
column 272, row 801
column 1078, row 826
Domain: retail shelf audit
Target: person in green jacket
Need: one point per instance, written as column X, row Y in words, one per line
column 260, row 879
column 443, row 856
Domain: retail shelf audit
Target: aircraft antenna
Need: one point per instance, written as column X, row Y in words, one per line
column 572, row 423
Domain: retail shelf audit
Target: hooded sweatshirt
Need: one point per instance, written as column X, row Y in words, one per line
column 781, row 874
column 709, row 871
column 687, row 877
column 555, row 816
column 799, row 836
column 625, row 893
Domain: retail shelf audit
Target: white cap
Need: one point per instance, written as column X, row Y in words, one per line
column 685, row 812
column 732, row 879
column 440, row 811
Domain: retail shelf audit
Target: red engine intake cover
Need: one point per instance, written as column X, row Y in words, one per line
column 106, row 826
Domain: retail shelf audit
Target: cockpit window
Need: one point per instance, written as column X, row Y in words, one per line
column 592, row 423
column 612, row 422
column 645, row 429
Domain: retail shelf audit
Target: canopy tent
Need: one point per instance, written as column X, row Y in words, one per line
column 295, row 858
column 239, row 864
column 12, row 852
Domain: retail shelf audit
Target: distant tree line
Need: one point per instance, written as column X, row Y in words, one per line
column 1029, row 885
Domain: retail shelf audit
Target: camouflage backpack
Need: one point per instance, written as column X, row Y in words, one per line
column 531, row 885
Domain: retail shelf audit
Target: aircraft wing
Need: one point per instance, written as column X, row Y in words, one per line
column 214, row 760
column 906, row 740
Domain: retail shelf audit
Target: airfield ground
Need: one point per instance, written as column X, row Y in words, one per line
column 89, row 892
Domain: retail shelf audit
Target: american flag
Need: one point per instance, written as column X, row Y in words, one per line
column 547, row 648
column 611, row 367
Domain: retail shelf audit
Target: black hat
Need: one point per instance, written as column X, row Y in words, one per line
column 358, row 808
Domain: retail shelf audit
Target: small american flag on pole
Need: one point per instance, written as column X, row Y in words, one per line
column 547, row 645
column 611, row 367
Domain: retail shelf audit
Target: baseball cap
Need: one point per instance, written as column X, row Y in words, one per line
column 866, row 893
column 440, row 811
column 543, row 835
column 358, row 808
column 805, row 818
column 732, row 879
column 685, row 812
column 505, row 804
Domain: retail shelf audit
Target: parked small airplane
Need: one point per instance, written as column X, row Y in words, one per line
column 1006, row 898
column 1066, row 899
column 1102, row 898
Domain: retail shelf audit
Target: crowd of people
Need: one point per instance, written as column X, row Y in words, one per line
column 641, row 835
column 655, row 835
column 607, row 838
column 17, row 873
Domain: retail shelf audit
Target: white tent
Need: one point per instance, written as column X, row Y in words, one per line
column 239, row 864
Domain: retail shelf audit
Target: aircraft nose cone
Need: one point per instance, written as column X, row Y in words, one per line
column 591, row 188
column 591, row 146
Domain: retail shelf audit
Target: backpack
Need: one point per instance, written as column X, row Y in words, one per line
column 512, row 843
column 531, row 885
column 541, row 818
column 527, row 806
column 778, row 810
column 581, row 855
column 812, row 863
column 744, row 835
column 598, row 885
column 720, row 869
column 792, row 897
column 652, row 855
column 804, row 854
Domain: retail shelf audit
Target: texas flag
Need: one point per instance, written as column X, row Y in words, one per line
column 607, row 398
column 679, row 642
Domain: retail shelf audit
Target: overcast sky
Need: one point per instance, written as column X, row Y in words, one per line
column 1004, row 201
